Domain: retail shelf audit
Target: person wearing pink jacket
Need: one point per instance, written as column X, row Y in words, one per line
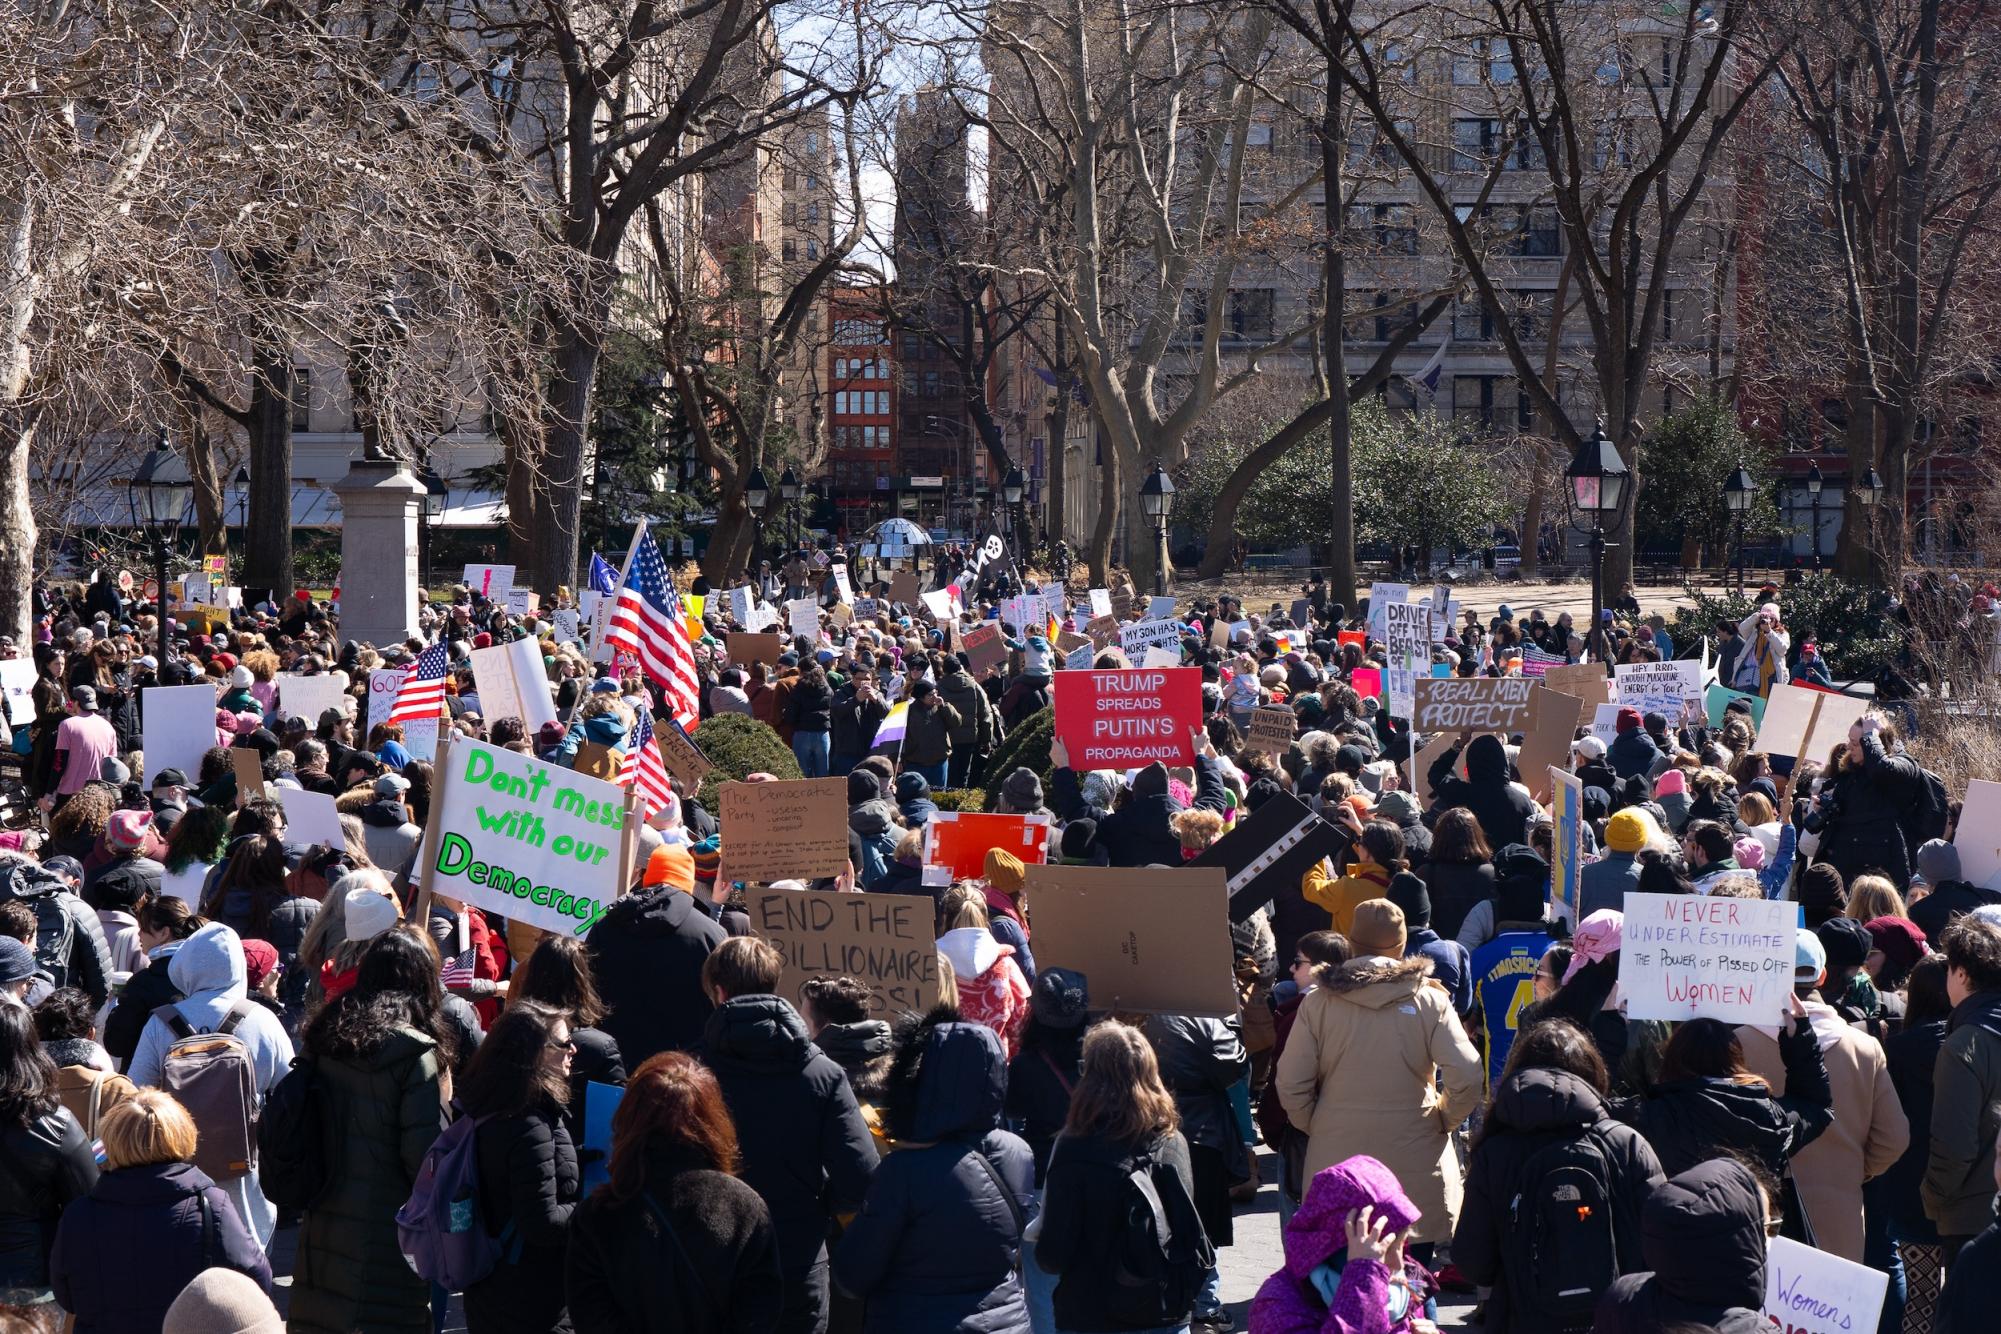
column 1345, row 1268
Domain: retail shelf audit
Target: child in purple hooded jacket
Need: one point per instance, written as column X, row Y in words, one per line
column 1345, row 1268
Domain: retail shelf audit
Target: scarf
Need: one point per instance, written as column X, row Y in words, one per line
column 1768, row 668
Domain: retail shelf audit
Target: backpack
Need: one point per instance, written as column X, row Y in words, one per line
column 1925, row 820
column 439, row 1229
column 55, row 936
column 1161, row 1253
column 298, row 1147
column 1559, row 1251
column 210, row 1074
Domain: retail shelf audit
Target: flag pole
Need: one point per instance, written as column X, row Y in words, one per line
column 624, row 569
column 427, row 855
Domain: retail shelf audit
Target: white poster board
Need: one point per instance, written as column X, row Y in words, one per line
column 1140, row 636
column 1156, row 656
column 179, row 727
column 17, row 686
column 1809, row 1291
column 490, row 581
column 1978, row 836
column 310, row 817
column 1789, row 714
column 1837, row 714
column 1160, row 608
column 803, row 616
column 1382, row 596
column 520, row 601
column 1659, row 687
column 1605, row 722
column 419, row 738
column 1692, row 956
column 1101, row 602
column 307, row 696
column 1407, row 635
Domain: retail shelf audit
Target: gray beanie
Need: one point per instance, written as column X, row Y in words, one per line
column 1022, row 790
column 1938, row 862
column 17, row 961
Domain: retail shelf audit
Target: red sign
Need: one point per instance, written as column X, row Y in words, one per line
column 1368, row 682
column 1359, row 638
column 1130, row 718
column 958, row 841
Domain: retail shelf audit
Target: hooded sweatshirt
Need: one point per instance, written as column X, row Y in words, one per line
column 1291, row 1301
column 1703, row 1236
column 1505, row 812
column 992, row 988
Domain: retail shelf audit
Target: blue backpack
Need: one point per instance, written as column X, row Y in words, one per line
column 439, row 1228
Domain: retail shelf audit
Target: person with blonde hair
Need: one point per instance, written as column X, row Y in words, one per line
column 150, row 1225
column 992, row 989
column 1873, row 896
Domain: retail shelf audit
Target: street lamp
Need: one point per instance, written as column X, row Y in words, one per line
column 1869, row 489
column 160, row 493
column 756, row 495
column 435, row 495
column 1598, row 479
column 1156, row 497
column 1013, row 487
column 1814, row 483
column 788, row 491
column 1738, row 493
column 241, row 485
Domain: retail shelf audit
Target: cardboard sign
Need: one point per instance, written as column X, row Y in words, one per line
column 1978, row 834
column 681, row 756
column 1809, row 1291
column 794, row 830
column 1302, row 612
column 1149, row 940
column 310, row 817
column 1566, row 870
column 1586, row 680
column 1659, row 687
column 1128, row 719
column 1547, row 745
column 957, row 842
column 1381, row 597
column 1080, row 658
column 1687, row 956
column 886, row 940
column 1140, row 636
column 1789, row 716
column 1067, row 643
column 490, row 581
column 1122, row 604
column 1473, row 703
column 1103, row 630
column 986, row 647
column 598, row 761
column 249, row 769
column 179, row 727
column 1837, row 714
column 1408, row 638
column 745, row 648
column 1219, row 633
column 903, row 587
column 1271, row 849
column 802, row 615
column 1272, row 729
column 1157, row 656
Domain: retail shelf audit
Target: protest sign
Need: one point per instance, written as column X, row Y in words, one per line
column 1103, row 630
column 1716, row 702
column 383, row 683
column 903, row 587
column 957, row 842
column 1101, row 602
column 1605, row 721
column 1368, row 682
column 1547, row 744
column 1659, row 687
column 1359, row 638
column 1441, row 621
column 886, row 940
column 1140, row 636
column 490, row 581
column 541, row 845
column 307, row 696
column 1150, row 940
column 1473, row 703
column 1586, row 680
column 1160, row 608
column 841, row 584
column 17, row 686
column 1789, row 716
column 522, row 601
column 1055, row 601
column 1272, row 729
column 1239, row 631
column 1978, row 835
column 1157, row 656
column 1301, row 613
column 1566, row 870
column 1080, row 657
column 742, row 602
column 1837, row 714
column 1025, row 614
column 601, row 609
column 493, row 679
column 1432, row 749
column 1408, row 638
column 1381, row 596
column 683, row 758
column 986, row 647
column 1070, row 643
column 1130, row 718
column 744, row 648
column 1219, row 633
column 802, row 617
column 598, row 761
column 1268, row 850
column 868, row 608
column 1809, row 1291
column 1687, row 956
column 600, row 1103
column 179, row 727
column 310, row 817
column 249, row 771
column 1122, row 603
column 794, row 830
column 569, row 623
column 940, row 605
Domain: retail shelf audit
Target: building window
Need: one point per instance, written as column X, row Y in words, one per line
column 812, row 248
column 788, row 250
column 1484, row 58
column 812, row 141
column 1477, row 141
column 302, row 399
column 1392, row 227
column 1489, row 403
column 1252, row 313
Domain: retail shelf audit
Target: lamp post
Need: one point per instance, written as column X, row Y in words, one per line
column 435, row 494
column 1868, row 490
column 1156, row 497
column 788, row 491
column 240, row 484
column 1738, row 492
column 756, row 495
column 160, row 493
column 1598, row 479
column 1814, row 484
column 1013, row 487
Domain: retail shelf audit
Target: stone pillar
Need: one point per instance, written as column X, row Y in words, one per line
column 381, row 505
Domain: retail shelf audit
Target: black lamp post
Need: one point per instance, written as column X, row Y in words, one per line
column 240, row 484
column 788, row 491
column 1738, row 493
column 160, row 493
column 1814, row 484
column 1598, row 479
column 1013, row 487
column 435, row 494
column 1868, row 490
column 1156, row 497
column 756, row 495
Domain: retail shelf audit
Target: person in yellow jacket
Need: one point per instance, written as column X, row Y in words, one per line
column 1379, row 856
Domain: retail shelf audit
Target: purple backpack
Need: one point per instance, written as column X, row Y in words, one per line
column 439, row 1228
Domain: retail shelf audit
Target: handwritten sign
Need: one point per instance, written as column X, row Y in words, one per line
column 1474, row 703
column 1809, row 1291
column 1408, row 639
column 1150, row 940
column 1160, row 656
column 490, row 581
column 1659, row 687
column 745, row 649
column 886, row 940
column 1023, row 613
column 307, row 696
column 1131, row 718
column 786, row 830
column 1586, row 680
column 1382, row 595
column 1160, row 608
column 1271, row 730
column 683, row 758
column 1140, row 636
column 1102, row 629
column 985, row 647
column 1691, row 956
column 1566, row 870
column 802, row 615
column 903, row 587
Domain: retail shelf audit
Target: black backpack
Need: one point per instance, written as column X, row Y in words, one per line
column 55, row 936
column 1929, row 809
column 297, row 1147
column 1559, row 1251
column 1162, row 1251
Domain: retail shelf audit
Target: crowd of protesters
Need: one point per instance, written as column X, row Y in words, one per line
column 1436, row 1061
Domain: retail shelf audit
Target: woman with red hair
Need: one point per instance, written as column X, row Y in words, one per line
column 673, row 1243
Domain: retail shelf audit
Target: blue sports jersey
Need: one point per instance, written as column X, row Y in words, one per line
column 1504, row 978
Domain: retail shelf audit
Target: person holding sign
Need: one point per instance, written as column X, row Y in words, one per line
column 1702, row 1238
column 1867, row 813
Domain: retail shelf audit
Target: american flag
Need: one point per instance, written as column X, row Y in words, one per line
column 422, row 694
column 458, row 971
column 1535, row 662
column 602, row 577
column 646, row 621
column 643, row 766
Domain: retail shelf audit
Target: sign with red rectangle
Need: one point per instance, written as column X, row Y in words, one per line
column 1131, row 718
column 958, row 841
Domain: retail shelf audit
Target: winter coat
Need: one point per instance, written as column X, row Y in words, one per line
column 1689, row 1120
column 646, row 956
column 1137, row 834
column 146, row 992
column 1040, row 1079
column 1862, row 813
column 1451, row 966
column 855, row 722
column 806, row 1150
column 1966, row 1104
column 528, row 1183
column 1359, row 1075
column 935, row 1243
column 285, row 926
column 927, row 738
column 716, row 1274
column 1606, row 882
column 1532, row 1110
column 1364, row 881
column 1084, row 1219
column 126, row 879
column 1632, row 753
column 874, row 824
column 48, row 1163
column 88, row 967
column 1868, row 1133
column 993, row 990
column 1913, row 1057
column 350, row 1271
column 388, row 835
column 1289, row 1302
column 1702, row 1235
column 1972, row 1290
column 1505, row 811
column 810, row 708
column 125, row 1251
column 975, row 729
column 1455, row 888
column 1948, row 900
column 1199, row 1060
column 597, row 1061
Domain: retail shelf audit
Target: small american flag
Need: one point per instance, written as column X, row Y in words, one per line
column 458, row 969
column 647, row 622
column 1535, row 662
column 422, row 694
column 643, row 766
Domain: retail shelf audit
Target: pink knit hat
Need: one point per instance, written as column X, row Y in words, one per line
column 1673, row 783
column 1597, row 937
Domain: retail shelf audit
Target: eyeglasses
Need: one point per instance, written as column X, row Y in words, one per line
column 1773, row 1226
column 565, row 1045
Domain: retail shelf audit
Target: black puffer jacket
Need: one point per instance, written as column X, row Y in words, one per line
column 597, row 1061
column 1199, row 1060
column 1137, row 834
column 1504, row 811
column 1455, row 887
column 88, row 967
column 1689, row 1121
column 1949, row 899
column 1532, row 1110
column 806, row 1150
column 48, row 1164
column 1040, row 1079
column 646, row 955
column 810, row 708
column 1084, row 1221
column 147, row 991
column 1703, row 1237
column 527, row 1183
column 1860, row 817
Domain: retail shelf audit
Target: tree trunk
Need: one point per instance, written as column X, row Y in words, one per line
column 267, row 543
column 1220, row 541
column 578, row 348
column 211, row 513
column 17, row 526
column 518, row 445
column 1099, row 556
column 1334, row 351
column 1855, row 551
column 1057, row 453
